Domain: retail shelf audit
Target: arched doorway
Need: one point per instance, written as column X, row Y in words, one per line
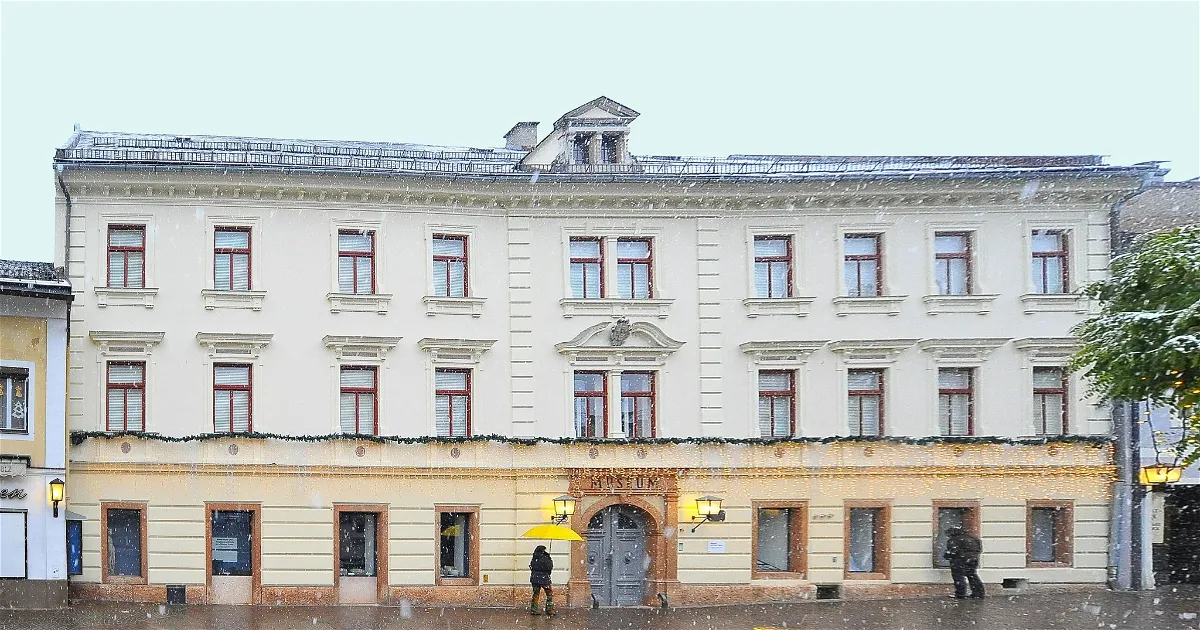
column 617, row 561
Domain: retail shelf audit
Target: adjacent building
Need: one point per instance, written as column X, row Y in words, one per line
column 34, row 303
column 311, row 371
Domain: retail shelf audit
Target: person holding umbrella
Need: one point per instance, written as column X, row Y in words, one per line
column 540, row 568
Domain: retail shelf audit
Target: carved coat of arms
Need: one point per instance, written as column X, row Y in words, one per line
column 619, row 333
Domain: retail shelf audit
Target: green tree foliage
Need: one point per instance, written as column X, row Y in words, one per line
column 1145, row 343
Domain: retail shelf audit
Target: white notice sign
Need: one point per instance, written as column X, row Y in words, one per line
column 716, row 546
column 224, row 549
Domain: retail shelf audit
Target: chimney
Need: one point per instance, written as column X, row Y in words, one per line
column 522, row 137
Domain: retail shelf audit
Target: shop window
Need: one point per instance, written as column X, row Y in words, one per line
column 458, row 545
column 14, row 403
column 779, row 540
column 356, row 535
column 1048, row 533
column 868, row 540
column 948, row 514
column 123, row 538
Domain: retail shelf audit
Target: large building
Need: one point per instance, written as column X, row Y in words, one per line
column 310, row 371
column 34, row 302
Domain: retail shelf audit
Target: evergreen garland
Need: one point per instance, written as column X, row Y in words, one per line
column 79, row 437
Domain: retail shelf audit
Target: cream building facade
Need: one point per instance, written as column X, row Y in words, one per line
column 357, row 372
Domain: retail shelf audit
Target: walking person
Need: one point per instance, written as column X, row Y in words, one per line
column 540, row 568
column 962, row 550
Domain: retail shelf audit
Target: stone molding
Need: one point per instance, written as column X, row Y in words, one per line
column 234, row 345
column 979, row 303
column 106, row 297
column 781, row 353
column 126, row 343
column 357, row 347
column 871, row 351
column 963, row 351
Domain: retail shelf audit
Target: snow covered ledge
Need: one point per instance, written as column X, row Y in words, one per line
column 1055, row 303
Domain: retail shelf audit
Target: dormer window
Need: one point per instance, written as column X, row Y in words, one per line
column 609, row 153
column 592, row 138
column 579, row 149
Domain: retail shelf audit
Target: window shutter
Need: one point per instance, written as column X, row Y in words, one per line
column 116, row 270
column 241, row 412
column 577, row 288
column 355, row 242
column 458, row 284
column 365, row 279
column 125, row 238
column 783, row 416
column 761, row 280
column 221, row 422
column 764, row 416
column 779, row 279
column 231, row 239
column 641, row 281
column 134, row 412
column 459, row 406
column 441, row 416
column 116, row 410
column 625, row 281
column 439, row 278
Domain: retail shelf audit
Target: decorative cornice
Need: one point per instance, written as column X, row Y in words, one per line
column 790, row 353
column 1047, row 347
column 974, row 350
column 360, row 347
column 124, row 342
column 871, row 350
column 655, row 346
column 455, row 351
column 234, row 345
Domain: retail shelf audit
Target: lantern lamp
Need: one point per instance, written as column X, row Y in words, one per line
column 708, row 508
column 564, row 507
column 58, row 490
column 1159, row 474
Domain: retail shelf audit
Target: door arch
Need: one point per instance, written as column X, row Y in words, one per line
column 618, row 560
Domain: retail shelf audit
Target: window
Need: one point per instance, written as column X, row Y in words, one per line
column 458, row 545
column 231, row 399
column 124, row 537
column 1050, row 401
column 779, row 540
column 955, row 408
column 868, row 540
column 74, row 547
column 773, row 266
column 356, row 262
column 608, row 149
column 14, row 400
column 865, row 401
column 126, row 396
column 13, row 545
column 357, row 555
column 635, row 259
column 1048, row 533
column 231, row 259
column 948, row 514
column 952, row 262
column 637, row 404
column 233, row 543
column 579, row 148
column 126, row 256
column 776, row 403
column 591, row 404
column 359, row 386
column 449, row 265
column 863, row 266
column 452, row 403
column 1050, row 261
column 587, row 268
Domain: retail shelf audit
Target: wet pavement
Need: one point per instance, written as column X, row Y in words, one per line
column 1168, row 608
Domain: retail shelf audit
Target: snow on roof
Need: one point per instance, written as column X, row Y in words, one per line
column 129, row 149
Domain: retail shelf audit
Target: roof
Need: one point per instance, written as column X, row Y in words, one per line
column 33, row 279
column 131, row 150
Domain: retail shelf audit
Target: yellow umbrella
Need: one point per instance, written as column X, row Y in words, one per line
column 552, row 532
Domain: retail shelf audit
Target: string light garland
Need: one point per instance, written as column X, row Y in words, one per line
column 79, row 437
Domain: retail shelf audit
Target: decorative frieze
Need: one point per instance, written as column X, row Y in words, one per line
column 233, row 345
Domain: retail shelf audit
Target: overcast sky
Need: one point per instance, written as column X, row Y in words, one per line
column 1116, row 79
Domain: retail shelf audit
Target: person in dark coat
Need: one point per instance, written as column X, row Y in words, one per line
column 962, row 550
column 540, row 568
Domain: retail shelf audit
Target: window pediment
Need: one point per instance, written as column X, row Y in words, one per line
column 619, row 343
column 234, row 345
column 359, row 347
column 974, row 350
column 871, row 351
column 781, row 353
column 122, row 342
column 455, row 351
column 1047, row 348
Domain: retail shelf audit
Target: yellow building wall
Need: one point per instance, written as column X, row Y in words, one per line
column 24, row 339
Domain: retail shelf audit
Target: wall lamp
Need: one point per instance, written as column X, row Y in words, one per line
column 709, row 509
column 57, row 490
column 564, row 507
column 1159, row 474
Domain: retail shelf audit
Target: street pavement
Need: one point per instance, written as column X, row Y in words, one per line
column 1168, row 608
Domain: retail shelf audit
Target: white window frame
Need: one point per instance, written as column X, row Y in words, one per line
column 657, row 306
column 799, row 304
column 472, row 303
column 31, row 390
column 1071, row 300
column 776, row 356
column 376, row 302
column 124, row 346
column 1052, row 352
column 979, row 301
column 108, row 296
column 888, row 302
column 352, row 350
column 252, row 299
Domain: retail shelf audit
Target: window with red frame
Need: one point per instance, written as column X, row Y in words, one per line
column 863, row 265
column 1049, row 401
column 356, row 262
column 1050, row 261
column 952, row 262
column 955, row 408
column 359, row 403
column 635, row 268
column 864, row 393
column 773, row 266
column 449, row 265
column 637, row 404
column 452, row 403
column 591, row 404
column 232, row 399
column 776, row 403
column 126, row 396
column 587, row 268
column 231, row 259
column 126, row 256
